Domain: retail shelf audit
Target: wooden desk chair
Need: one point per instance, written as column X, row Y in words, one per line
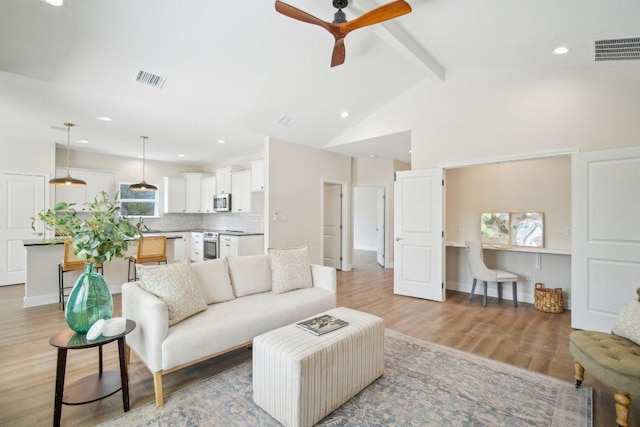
column 481, row 272
column 69, row 262
column 150, row 249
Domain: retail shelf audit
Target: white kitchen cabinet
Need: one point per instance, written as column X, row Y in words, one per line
column 207, row 191
column 96, row 182
column 175, row 195
column 232, row 245
column 193, row 190
column 241, row 191
column 197, row 245
column 223, row 180
column 257, row 175
column 182, row 246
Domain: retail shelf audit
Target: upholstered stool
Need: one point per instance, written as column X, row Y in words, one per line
column 611, row 359
column 300, row 378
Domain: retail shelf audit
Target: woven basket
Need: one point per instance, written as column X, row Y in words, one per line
column 548, row 300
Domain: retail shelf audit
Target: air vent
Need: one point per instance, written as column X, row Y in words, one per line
column 150, row 79
column 618, row 49
column 286, row 121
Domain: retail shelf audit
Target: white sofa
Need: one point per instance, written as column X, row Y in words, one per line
column 240, row 306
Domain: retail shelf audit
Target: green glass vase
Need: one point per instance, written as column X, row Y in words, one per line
column 89, row 301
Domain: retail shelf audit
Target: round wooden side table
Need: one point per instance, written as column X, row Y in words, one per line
column 93, row 387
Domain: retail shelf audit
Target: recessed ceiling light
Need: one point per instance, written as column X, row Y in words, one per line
column 373, row 156
column 54, row 2
column 344, row 114
column 222, row 141
column 560, row 50
column 82, row 141
column 104, row 118
column 180, row 155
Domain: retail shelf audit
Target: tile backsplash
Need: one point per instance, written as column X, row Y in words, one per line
column 251, row 222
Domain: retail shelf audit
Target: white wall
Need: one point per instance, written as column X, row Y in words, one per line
column 365, row 214
column 295, row 174
column 489, row 113
column 31, row 157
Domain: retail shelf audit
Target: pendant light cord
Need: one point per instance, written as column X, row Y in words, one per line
column 144, row 139
column 68, row 125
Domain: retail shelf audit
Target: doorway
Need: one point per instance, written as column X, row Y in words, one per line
column 332, row 225
column 369, row 224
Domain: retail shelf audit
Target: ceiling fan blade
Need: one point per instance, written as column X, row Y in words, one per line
column 377, row 15
column 300, row 15
column 339, row 52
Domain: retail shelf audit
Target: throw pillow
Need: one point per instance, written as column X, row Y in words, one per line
column 250, row 274
column 177, row 286
column 628, row 322
column 290, row 269
column 213, row 276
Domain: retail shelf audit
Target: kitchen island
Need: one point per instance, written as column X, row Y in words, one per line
column 44, row 256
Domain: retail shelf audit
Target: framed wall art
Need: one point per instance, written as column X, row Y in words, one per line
column 494, row 228
column 527, row 229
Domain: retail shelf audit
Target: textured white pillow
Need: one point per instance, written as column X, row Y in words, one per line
column 250, row 274
column 177, row 286
column 213, row 276
column 290, row 269
column 628, row 322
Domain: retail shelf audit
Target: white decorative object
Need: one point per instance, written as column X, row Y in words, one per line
column 114, row 326
column 95, row 330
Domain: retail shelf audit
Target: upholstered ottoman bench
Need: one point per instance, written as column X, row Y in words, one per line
column 299, row 378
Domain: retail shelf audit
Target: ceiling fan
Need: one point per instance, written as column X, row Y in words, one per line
column 340, row 27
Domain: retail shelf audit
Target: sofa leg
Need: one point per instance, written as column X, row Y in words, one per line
column 579, row 374
column 622, row 408
column 157, row 386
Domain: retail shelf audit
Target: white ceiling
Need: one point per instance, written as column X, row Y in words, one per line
column 234, row 68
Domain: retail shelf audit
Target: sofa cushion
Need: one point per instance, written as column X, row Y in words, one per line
column 250, row 274
column 176, row 285
column 214, row 280
column 290, row 269
column 628, row 322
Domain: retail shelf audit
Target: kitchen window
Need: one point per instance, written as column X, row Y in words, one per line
column 142, row 204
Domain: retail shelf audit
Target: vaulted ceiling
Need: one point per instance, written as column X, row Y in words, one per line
column 233, row 69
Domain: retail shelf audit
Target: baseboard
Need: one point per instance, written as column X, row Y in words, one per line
column 40, row 300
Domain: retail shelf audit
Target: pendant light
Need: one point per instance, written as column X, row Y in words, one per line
column 68, row 180
column 143, row 186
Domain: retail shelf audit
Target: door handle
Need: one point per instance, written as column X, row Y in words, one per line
column 38, row 234
column 398, row 239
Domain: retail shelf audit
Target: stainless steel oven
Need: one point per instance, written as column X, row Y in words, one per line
column 210, row 245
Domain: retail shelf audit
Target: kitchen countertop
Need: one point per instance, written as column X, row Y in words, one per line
column 50, row 242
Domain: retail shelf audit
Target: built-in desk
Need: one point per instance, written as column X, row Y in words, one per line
column 551, row 266
column 43, row 257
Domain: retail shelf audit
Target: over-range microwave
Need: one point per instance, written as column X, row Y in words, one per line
column 222, row 202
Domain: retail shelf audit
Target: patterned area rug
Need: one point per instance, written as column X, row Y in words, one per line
column 424, row 384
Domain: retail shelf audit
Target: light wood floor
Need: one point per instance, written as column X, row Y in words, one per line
column 523, row 337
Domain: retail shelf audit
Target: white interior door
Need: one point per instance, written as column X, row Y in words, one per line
column 332, row 227
column 21, row 197
column 605, row 255
column 418, row 243
column 380, row 229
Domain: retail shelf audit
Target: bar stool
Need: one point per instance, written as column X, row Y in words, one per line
column 69, row 262
column 150, row 249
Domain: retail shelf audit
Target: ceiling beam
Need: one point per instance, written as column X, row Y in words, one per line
column 394, row 34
